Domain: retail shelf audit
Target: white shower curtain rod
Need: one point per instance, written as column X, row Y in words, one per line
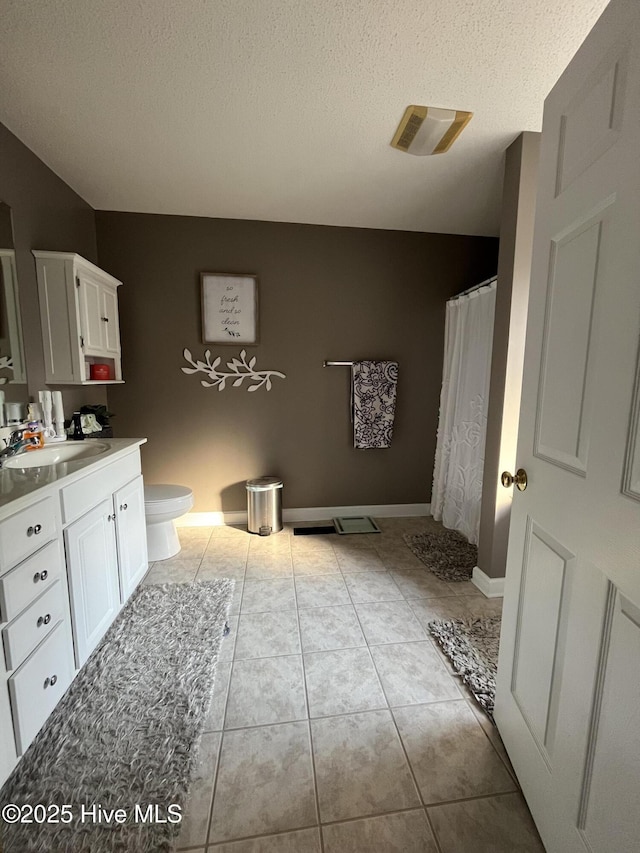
column 475, row 287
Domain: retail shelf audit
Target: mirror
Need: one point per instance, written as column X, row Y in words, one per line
column 12, row 363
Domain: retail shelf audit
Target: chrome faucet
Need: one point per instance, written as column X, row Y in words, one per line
column 17, row 444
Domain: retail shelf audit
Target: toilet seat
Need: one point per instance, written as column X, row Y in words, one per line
column 164, row 497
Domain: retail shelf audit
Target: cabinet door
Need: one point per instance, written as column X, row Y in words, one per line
column 111, row 335
column 93, row 577
column 131, row 536
column 92, row 325
column 60, row 319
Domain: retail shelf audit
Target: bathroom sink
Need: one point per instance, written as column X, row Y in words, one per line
column 52, row 454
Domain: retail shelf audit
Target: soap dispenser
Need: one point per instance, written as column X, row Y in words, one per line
column 76, row 420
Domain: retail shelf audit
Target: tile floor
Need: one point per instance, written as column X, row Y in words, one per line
column 337, row 726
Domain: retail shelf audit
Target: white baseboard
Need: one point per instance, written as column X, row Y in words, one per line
column 211, row 519
column 317, row 513
column 491, row 587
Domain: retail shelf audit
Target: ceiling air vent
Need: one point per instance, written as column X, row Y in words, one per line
column 429, row 130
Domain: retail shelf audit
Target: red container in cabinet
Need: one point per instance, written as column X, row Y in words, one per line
column 99, row 371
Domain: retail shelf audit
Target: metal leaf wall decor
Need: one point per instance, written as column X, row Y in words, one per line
column 238, row 369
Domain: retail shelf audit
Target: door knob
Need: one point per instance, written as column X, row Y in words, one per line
column 520, row 479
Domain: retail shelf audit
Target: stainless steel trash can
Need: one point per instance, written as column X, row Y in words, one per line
column 264, row 505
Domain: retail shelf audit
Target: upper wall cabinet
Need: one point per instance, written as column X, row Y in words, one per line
column 79, row 314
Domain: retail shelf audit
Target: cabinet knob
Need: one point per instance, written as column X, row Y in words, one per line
column 40, row 576
column 34, row 530
column 104, row 319
column 110, row 518
column 49, row 682
column 123, row 506
column 43, row 620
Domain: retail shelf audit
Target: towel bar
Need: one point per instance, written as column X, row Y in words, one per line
column 337, row 364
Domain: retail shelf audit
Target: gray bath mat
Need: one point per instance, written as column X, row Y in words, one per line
column 444, row 552
column 472, row 647
column 127, row 730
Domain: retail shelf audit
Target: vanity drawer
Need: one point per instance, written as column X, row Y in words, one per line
column 26, row 531
column 39, row 684
column 20, row 586
column 86, row 493
column 23, row 634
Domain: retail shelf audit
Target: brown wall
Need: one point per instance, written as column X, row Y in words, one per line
column 325, row 293
column 512, row 297
column 47, row 214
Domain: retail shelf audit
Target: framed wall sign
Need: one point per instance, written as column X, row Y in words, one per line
column 229, row 308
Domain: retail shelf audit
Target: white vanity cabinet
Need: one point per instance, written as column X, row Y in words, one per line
column 79, row 316
column 71, row 553
column 106, row 548
column 38, row 662
column 131, row 536
column 92, row 565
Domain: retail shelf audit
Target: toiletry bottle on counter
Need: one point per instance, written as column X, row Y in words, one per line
column 35, row 428
column 14, row 414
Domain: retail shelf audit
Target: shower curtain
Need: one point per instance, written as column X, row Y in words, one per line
column 462, row 426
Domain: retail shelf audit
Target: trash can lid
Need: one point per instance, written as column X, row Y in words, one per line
column 264, row 484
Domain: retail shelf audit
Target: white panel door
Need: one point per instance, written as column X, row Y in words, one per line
column 568, row 698
column 132, row 536
column 93, row 577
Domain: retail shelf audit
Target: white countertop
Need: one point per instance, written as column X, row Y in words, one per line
column 16, row 484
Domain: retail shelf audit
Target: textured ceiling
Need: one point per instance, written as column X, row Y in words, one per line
column 282, row 109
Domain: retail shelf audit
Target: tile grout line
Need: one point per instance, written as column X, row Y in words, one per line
column 418, row 808
column 455, row 678
column 310, row 733
column 397, row 730
column 506, row 766
column 472, row 799
column 241, row 839
column 402, row 747
column 224, row 716
column 390, row 708
column 309, row 719
column 195, row 847
column 337, row 559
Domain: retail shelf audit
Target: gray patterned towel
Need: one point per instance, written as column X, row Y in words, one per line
column 374, row 402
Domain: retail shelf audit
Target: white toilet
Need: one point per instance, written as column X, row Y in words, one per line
column 162, row 505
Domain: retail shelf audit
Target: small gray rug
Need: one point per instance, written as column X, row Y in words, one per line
column 128, row 728
column 444, row 552
column 472, row 647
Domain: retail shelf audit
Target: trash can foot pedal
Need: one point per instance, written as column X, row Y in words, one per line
column 265, row 530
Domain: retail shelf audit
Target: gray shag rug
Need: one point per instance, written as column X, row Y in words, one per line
column 472, row 647
column 127, row 730
column 444, row 552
